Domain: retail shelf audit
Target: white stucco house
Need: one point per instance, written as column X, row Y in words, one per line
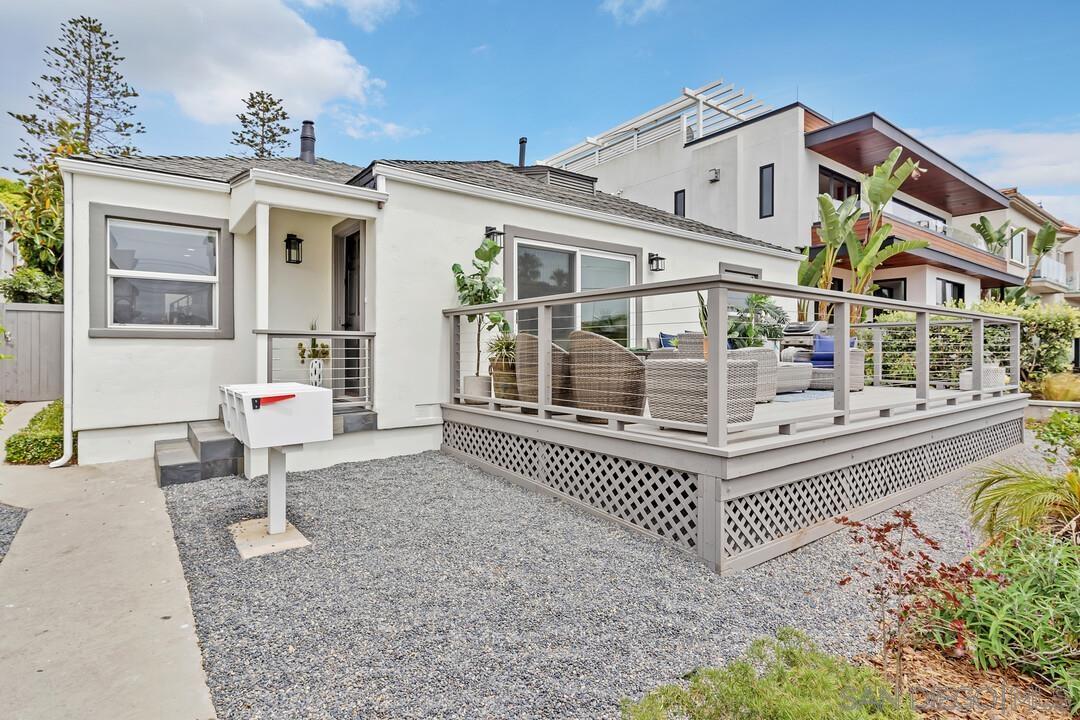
column 179, row 282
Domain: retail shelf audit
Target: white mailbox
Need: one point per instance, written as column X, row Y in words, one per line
column 280, row 417
column 277, row 414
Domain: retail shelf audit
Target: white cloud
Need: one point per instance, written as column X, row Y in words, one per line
column 206, row 54
column 366, row 14
column 631, row 11
column 1043, row 164
column 360, row 126
column 480, row 49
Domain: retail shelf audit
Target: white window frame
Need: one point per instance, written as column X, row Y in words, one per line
column 1022, row 238
column 112, row 273
column 631, row 260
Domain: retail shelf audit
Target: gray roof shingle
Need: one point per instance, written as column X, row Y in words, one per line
column 224, row 169
column 502, row 176
column 491, row 174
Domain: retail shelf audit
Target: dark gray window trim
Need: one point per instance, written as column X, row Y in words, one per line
column 761, row 191
column 680, row 203
column 99, row 326
column 509, row 255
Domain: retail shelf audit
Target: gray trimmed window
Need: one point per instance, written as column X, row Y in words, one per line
column 680, row 203
column 766, row 197
column 159, row 275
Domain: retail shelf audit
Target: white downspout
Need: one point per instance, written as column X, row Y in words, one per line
column 69, row 334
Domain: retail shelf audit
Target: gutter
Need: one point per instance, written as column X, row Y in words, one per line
column 69, row 331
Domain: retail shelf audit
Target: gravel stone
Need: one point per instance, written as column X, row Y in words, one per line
column 433, row 589
column 10, row 520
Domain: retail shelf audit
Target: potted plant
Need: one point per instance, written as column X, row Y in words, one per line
column 317, row 355
column 478, row 288
column 502, row 351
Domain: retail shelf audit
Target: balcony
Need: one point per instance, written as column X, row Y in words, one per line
column 949, row 247
column 1051, row 275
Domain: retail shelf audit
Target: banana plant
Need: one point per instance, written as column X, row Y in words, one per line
column 809, row 276
column 837, row 226
column 1045, row 241
column 867, row 254
column 996, row 239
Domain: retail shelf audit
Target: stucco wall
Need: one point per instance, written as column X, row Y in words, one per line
column 126, row 381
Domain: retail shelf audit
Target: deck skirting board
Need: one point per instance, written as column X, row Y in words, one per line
column 728, row 524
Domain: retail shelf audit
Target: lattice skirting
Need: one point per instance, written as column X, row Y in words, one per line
column 659, row 500
column 756, row 519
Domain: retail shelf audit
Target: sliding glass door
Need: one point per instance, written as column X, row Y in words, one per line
column 547, row 269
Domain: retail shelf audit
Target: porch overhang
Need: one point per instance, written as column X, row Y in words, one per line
column 292, row 192
column 864, row 141
column 988, row 276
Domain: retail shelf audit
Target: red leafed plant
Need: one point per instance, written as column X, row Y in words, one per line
column 905, row 581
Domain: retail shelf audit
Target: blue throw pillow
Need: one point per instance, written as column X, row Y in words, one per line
column 667, row 341
column 822, row 360
column 824, row 343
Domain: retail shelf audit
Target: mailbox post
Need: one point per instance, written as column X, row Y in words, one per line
column 282, row 418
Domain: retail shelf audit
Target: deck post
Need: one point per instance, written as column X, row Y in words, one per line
column 455, row 358
column 716, row 367
column 543, row 361
column 1014, row 354
column 922, row 359
column 709, row 520
column 977, row 358
column 878, row 359
column 841, row 362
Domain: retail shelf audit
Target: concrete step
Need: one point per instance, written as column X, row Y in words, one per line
column 355, row 421
column 211, row 441
column 175, row 462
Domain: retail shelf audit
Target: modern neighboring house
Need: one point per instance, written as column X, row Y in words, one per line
column 720, row 157
column 1051, row 281
column 193, row 272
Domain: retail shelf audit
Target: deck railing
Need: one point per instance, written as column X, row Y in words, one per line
column 943, row 355
column 341, row 360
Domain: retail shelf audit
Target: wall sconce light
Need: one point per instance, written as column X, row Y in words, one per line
column 494, row 234
column 657, row 262
column 294, row 251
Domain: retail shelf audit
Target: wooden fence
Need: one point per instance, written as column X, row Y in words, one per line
column 35, row 342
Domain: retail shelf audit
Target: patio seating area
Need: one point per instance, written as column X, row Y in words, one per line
column 737, row 455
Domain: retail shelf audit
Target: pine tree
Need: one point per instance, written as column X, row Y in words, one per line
column 262, row 126
column 82, row 86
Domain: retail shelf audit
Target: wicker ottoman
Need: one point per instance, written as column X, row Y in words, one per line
column 792, row 377
column 766, row 368
column 821, row 378
column 677, row 389
column 993, row 376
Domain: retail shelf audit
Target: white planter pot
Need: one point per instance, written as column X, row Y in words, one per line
column 477, row 385
column 319, row 372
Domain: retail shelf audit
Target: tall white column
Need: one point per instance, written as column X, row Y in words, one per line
column 262, row 290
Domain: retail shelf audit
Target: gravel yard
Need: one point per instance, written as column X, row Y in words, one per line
column 10, row 520
column 432, row 589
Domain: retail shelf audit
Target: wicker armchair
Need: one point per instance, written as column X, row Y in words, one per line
column 525, row 368
column 678, row 388
column 821, row 378
column 605, row 376
column 766, row 367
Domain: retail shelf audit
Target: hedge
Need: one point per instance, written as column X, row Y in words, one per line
column 1046, row 336
column 42, row 440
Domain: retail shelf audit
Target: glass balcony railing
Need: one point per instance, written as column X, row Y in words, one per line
column 1053, row 270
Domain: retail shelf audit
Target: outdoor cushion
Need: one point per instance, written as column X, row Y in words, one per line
column 822, row 359
column 667, row 341
column 824, row 344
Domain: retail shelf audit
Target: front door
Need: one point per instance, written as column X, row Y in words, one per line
column 349, row 315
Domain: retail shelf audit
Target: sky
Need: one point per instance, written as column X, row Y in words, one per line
column 993, row 86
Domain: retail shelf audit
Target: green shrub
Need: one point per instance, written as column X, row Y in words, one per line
column 1025, row 615
column 42, row 440
column 1061, row 433
column 30, row 285
column 1046, row 335
column 782, row 678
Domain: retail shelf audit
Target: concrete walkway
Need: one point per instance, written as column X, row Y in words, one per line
column 95, row 619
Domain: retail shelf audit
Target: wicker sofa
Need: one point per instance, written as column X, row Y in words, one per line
column 821, row 378
column 605, row 376
column 692, row 344
column 678, row 388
